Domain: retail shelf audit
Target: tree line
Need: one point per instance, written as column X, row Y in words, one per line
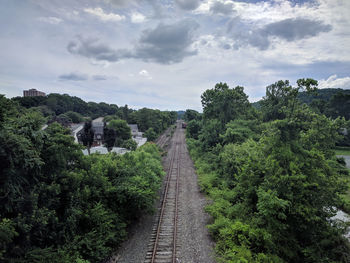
column 66, row 109
column 57, row 205
column 272, row 175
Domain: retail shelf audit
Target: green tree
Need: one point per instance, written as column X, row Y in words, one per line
column 225, row 104
column 339, row 105
column 275, row 185
column 74, row 116
column 238, row 131
column 281, row 98
column 191, row 115
column 150, row 134
column 87, row 135
column 122, row 131
column 193, row 129
column 210, row 134
column 129, row 144
column 110, row 137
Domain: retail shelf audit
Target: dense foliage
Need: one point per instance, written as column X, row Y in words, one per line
column 55, row 104
column 330, row 102
column 66, row 109
column 152, row 122
column 58, row 205
column 272, row 175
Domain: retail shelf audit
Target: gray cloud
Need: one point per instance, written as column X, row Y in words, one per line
column 119, row 3
column 226, row 46
column 295, row 29
column 222, row 8
column 243, row 35
column 73, row 76
column 165, row 44
column 288, row 29
column 188, row 4
column 99, row 77
column 93, row 48
column 156, row 5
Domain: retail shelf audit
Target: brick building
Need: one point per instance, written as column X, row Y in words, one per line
column 33, row 93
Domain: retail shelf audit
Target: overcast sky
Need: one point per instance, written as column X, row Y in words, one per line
column 164, row 54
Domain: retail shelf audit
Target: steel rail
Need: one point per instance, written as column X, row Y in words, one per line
column 155, row 247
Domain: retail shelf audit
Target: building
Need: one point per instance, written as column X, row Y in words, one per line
column 33, row 93
column 135, row 131
column 97, row 127
column 77, row 129
column 136, row 135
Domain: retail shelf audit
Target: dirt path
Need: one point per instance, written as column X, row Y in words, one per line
column 193, row 240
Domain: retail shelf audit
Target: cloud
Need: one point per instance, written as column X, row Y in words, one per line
column 288, row 29
column 221, row 8
column 187, row 4
column 119, row 3
column 137, row 18
column 334, row 83
column 104, row 16
column 244, row 34
column 73, row 77
column 296, row 28
column 99, row 77
column 51, row 20
column 93, row 48
column 145, row 73
column 167, row 44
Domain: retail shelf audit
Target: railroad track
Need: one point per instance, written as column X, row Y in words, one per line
column 162, row 245
column 162, row 140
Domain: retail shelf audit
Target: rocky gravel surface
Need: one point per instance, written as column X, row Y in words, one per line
column 193, row 241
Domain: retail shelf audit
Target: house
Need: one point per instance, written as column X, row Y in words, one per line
column 97, row 126
column 135, row 133
column 134, row 130
column 77, row 129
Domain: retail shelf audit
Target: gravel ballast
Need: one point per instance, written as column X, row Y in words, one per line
column 193, row 241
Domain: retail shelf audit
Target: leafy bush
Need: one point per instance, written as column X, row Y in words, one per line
column 58, row 205
column 150, row 134
column 275, row 185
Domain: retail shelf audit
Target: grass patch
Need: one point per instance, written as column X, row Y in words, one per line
column 342, row 150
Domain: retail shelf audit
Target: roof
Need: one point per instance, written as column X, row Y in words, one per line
column 103, row 150
column 140, row 141
column 99, row 119
column 133, row 127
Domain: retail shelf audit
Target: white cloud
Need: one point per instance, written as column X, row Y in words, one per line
column 51, row 20
column 183, row 60
column 334, row 83
column 137, row 18
column 144, row 73
column 104, row 16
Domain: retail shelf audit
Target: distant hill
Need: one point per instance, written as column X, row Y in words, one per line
column 180, row 114
column 331, row 102
column 322, row 94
